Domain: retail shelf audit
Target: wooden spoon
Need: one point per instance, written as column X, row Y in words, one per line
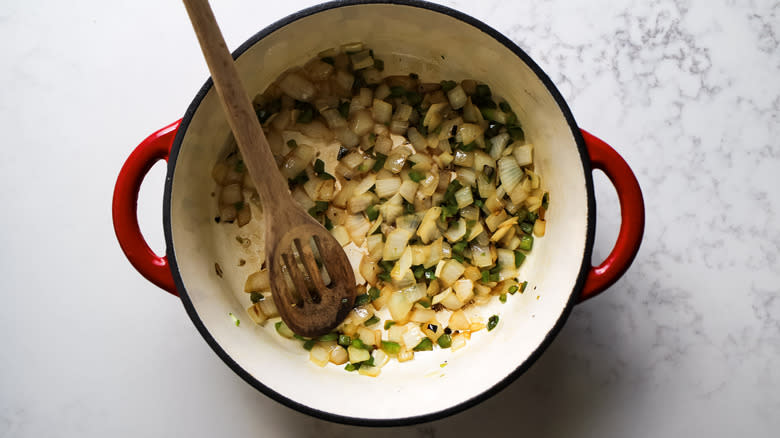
column 311, row 307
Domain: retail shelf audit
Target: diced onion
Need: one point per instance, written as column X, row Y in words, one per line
column 420, row 254
column 358, row 354
column 463, row 197
column 298, row 160
column 268, row 306
column 428, row 230
column 498, row 144
column 369, row 270
column 470, row 213
column 360, row 203
column 399, row 306
column 523, row 154
column 421, row 316
column 405, row 355
column 403, row 264
column 456, row 231
column 418, row 141
column 385, row 188
column 435, row 254
column 467, row 177
column 361, row 122
column 341, row 235
column 374, row 244
column 359, row 315
column 450, row 272
column 402, row 112
column 464, row 290
column 343, row 196
column 382, row 91
column 422, row 162
column 476, row 230
column 319, row 355
column 399, row 127
column 259, row 281
column 459, row 321
column 352, row 160
column 297, row 87
column 482, row 159
column 535, row 180
column 346, row 136
column 409, row 222
column 364, row 185
column 429, row 183
column 472, row 114
column 412, row 337
column 395, row 244
column 415, row 292
column 509, row 172
column 433, row 288
column 380, row 358
column 464, row 159
column 408, row 190
column 382, row 111
column 457, row 97
column 231, row 194
column 333, row 118
column 375, row 225
column 256, row 314
column 339, row 355
column 357, row 226
column 433, row 117
column 480, row 255
column 364, row 97
column 317, row 70
column 448, row 299
column 520, row 192
column 495, row 219
column 494, row 203
column 446, row 127
column 468, row 133
column 539, row 227
column 486, row 187
column 392, row 208
column 533, row 203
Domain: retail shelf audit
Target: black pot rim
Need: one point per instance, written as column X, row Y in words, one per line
column 404, row 421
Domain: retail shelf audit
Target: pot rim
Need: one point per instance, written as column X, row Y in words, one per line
column 488, row 392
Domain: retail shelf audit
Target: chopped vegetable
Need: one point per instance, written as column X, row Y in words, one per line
column 371, row 321
column 433, row 182
column 425, row 345
column 444, row 341
column 345, row 340
column 391, row 347
column 492, row 322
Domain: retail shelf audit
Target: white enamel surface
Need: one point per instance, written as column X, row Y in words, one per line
column 436, row 46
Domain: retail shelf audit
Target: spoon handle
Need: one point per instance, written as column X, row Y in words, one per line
column 241, row 116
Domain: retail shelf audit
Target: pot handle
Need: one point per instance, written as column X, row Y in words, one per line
column 124, row 207
column 632, row 214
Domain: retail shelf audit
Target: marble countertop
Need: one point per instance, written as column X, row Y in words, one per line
column 687, row 343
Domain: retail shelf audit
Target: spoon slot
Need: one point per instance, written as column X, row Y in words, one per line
column 301, row 290
column 315, row 246
column 310, row 268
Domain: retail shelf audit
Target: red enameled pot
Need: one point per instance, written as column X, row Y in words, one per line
column 410, row 36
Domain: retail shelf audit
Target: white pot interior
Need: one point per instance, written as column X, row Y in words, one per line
column 436, row 46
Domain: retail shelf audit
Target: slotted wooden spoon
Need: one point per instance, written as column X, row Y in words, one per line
column 309, row 307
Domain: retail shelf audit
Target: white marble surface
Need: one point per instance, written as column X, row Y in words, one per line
column 686, row 344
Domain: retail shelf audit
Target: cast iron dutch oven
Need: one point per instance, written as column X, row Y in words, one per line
column 410, row 36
